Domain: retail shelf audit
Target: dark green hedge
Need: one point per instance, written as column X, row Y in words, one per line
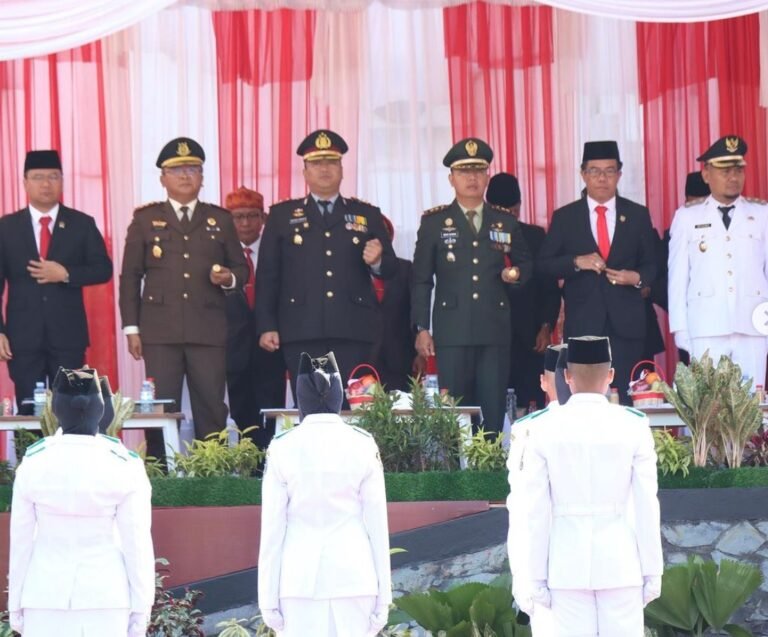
column 409, row 487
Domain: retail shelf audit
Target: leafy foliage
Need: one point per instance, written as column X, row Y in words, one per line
column 171, row 616
column 5, row 627
column 23, row 438
column 716, row 406
column 214, row 456
column 123, row 409
column 698, row 596
column 674, row 455
column 484, row 452
column 756, row 450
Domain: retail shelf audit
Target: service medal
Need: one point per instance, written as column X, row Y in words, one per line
column 298, row 239
column 211, row 221
column 157, row 252
column 450, row 257
column 702, row 246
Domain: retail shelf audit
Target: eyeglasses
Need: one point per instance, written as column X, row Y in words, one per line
column 40, row 178
column 251, row 216
column 596, row 173
column 189, row 171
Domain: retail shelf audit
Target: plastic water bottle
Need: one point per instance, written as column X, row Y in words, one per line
column 511, row 405
column 146, row 396
column 431, row 388
column 39, row 397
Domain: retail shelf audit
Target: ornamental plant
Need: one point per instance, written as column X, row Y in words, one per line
column 171, row 616
column 673, row 454
column 484, row 452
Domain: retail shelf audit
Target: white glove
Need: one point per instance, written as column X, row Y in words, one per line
column 683, row 340
column 378, row 620
column 540, row 594
column 137, row 624
column 273, row 618
column 16, row 620
column 523, row 600
column 651, row 588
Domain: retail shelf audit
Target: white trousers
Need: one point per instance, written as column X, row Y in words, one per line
column 542, row 621
column 613, row 612
column 339, row 617
column 42, row 622
column 748, row 351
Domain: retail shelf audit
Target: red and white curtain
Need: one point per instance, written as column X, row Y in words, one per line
column 109, row 83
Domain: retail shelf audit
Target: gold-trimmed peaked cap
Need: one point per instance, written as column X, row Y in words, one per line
column 182, row 151
column 725, row 152
column 322, row 144
column 471, row 152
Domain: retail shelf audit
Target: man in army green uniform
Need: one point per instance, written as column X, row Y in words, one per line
column 186, row 253
column 317, row 256
column 469, row 251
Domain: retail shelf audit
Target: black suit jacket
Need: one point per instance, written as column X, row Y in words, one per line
column 311, row 280
column 591, row 302
column 396, row 347
column 52, row 313
column 537, row 301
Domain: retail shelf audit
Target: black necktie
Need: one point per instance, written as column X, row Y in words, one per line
column 184, row 216
column 726, row 210
column 326, row 205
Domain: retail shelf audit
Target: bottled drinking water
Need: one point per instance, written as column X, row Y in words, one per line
column 39, row 397
column 431, row 388
column 511, row 405
column 146, row 396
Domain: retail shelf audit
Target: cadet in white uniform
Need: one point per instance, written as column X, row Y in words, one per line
column 81, row 558
column 517, row 536
column 586, row 464
column 718, row 259
column 324, row 566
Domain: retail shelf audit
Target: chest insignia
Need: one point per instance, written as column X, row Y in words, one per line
column 159, row 223
column 157, row 251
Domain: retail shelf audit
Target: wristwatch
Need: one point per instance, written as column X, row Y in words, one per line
column 639, row 284
column 421, row 328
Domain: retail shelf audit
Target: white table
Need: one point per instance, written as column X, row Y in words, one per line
column 287, row 418
column 167, row 423
column 666, row 416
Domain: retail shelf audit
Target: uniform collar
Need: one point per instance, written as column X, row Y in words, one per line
column 586, row 398
column 37, row 214
column 177, row 206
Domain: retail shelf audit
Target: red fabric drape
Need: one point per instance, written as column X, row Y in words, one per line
column 58, row 102
column 500, row 77
column 265, row 63
column 697, row 82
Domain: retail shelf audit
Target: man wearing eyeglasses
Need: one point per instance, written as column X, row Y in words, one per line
column 255, row 377
column 180, row 257
column 602, row 247
column 717, row 265
column 48, row 253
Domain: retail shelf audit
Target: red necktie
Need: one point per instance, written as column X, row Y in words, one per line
column 603, row 242
column 378, row 288
column 45, row 236
column 250, row 284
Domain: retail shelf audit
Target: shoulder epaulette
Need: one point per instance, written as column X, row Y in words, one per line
column 149, row 205
column 432, row 211
column 37, row 447
column 363, row 201
column 361, row 431
column 501, row 209
column 283, row 433
column 636, row 412
column 695, row 202
column 287, row 199
column 530, row 416
column 110, row 438
column 761, row 202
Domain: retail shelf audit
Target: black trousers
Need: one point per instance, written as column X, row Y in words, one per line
column 526, row 366
column 626, row 353
column 29, row 367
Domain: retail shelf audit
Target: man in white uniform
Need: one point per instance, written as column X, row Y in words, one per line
column 324, row 566
column 517, row 537
column 81, row 559
column 586, row 464
column 718, row 258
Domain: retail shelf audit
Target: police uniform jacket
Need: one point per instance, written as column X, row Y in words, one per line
column 716, row 276
column 593, row 511
column 311, row 280
column 590, row 299
column 53, row 313
column 324, row 531
column 178, row 303
column 70, row 495
column 471, row 305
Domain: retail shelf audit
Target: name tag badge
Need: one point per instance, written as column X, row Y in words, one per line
column 702, row 225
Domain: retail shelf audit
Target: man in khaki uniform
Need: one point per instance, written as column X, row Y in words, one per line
column 186, row 253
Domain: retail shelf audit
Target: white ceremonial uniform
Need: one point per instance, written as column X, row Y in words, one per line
column 324, row 555
column 717, row 277
column 81, row 557
column 517, row 536
column 586, row 463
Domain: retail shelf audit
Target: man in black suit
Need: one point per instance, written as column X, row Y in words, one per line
column 315, row 262
column 255, row 377
column 535, row 304
column 394, row 355
column 602, row 246
column 48, row 252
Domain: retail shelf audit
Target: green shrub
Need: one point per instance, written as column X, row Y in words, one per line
column 674, row 455
column 484, row 452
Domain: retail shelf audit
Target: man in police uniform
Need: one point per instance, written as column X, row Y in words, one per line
column 316, row 259
column 324, row 566
column 594, row 535
column 718, row 256
column 469, row 251
column 186, row 254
